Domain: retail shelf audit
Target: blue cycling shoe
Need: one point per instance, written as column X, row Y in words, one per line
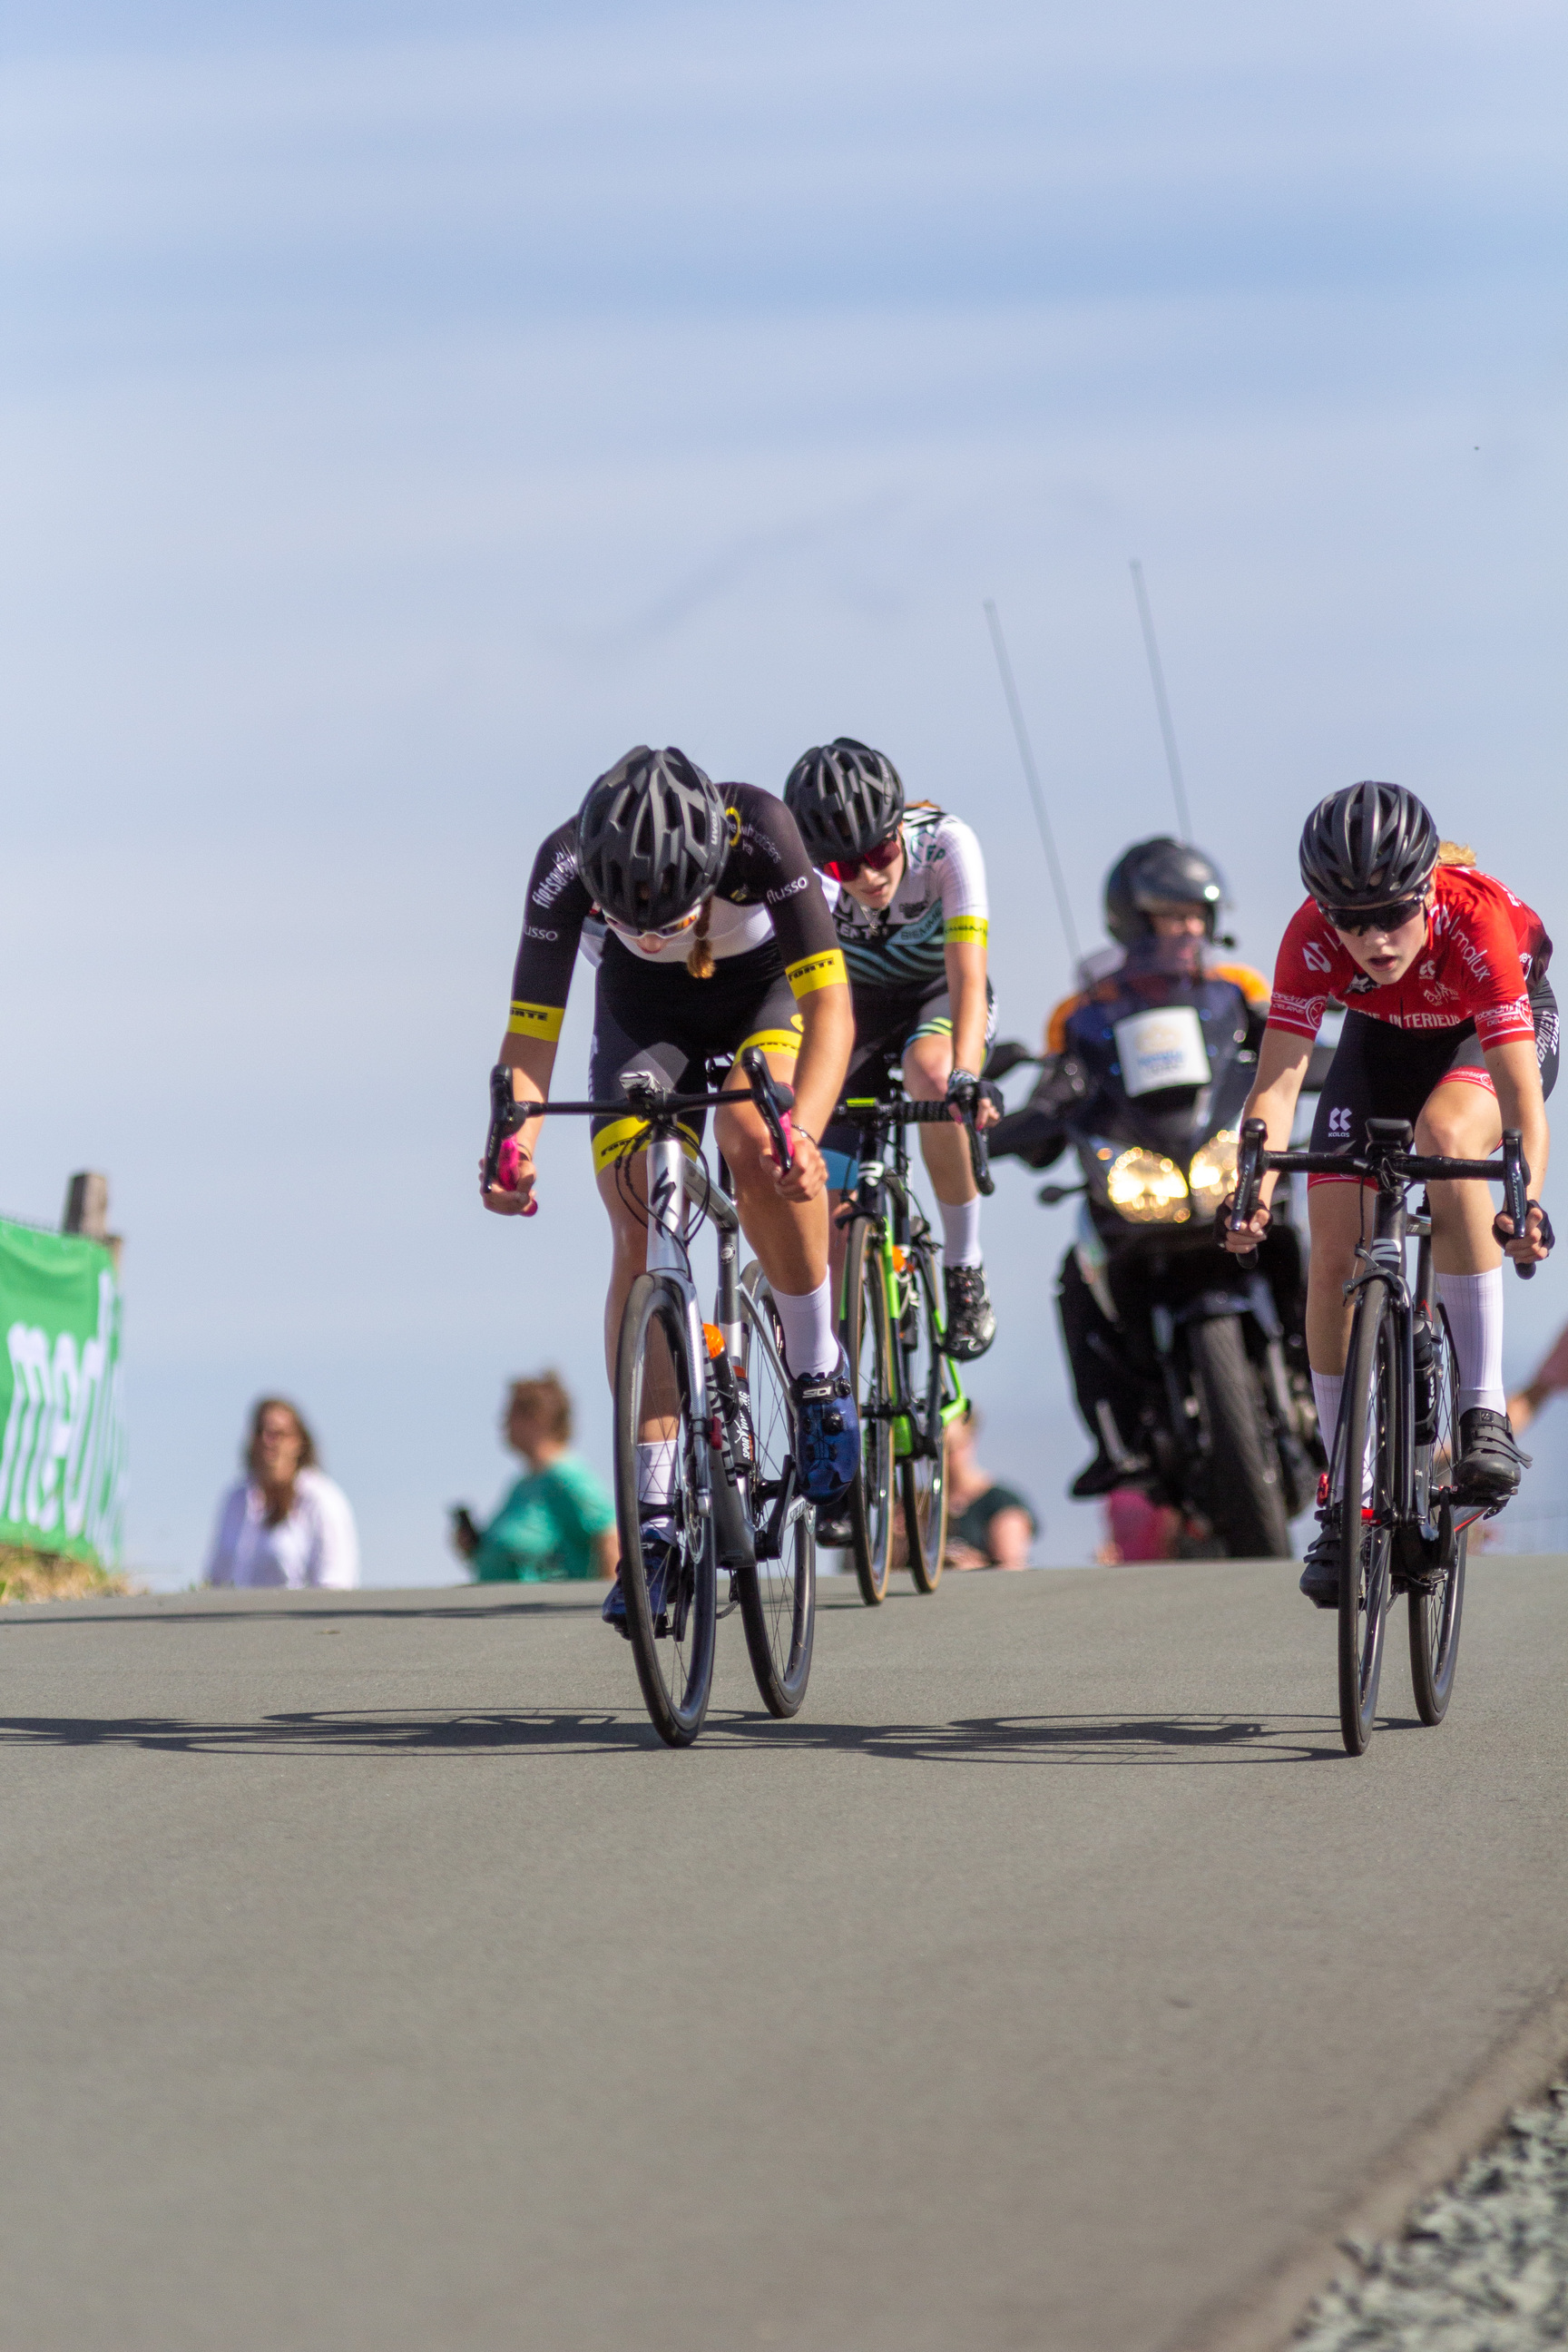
column 656, row 1556
column 827, row 1431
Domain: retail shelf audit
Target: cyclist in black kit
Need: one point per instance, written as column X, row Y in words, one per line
column 700, row 906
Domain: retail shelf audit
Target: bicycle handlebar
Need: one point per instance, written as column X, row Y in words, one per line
column 901, row 1111
column 642, row 1093
column 1386, row 1162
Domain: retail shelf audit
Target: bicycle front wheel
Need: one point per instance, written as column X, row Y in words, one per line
column 929, row 1384
column 671, row 1609
column 1366, row 1512
column 867, row 1340
column 778, row 1590
column 1434, row 1613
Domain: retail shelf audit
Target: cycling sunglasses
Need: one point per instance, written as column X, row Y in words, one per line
column 847, row 870
column 1390, row 917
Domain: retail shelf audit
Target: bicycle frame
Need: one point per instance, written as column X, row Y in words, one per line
column 884, row 1172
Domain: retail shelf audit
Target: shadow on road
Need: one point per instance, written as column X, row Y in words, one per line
column 1073, row 1739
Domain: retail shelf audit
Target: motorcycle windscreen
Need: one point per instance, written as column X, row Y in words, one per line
column 1161, row 1048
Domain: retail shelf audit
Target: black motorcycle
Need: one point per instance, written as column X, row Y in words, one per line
column 1191, row 1368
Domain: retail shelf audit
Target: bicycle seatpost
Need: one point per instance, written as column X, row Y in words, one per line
column 775, row 1100
column 1516, row 1191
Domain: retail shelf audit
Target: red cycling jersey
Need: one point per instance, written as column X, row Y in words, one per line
column 1485, row 948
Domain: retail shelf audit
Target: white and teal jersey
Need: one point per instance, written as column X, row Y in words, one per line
column 940, row 896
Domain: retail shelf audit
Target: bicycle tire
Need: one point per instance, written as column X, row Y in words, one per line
column 1435, row 1617
column 922, row 1474
column 869, row 1343
column 1246, row 1499
column 778, row 1596
column 675, row 1668
column 1367, row 1410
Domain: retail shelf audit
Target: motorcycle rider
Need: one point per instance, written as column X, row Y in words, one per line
column 1162, row 902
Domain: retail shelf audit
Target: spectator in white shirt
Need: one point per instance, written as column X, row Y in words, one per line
column 285, row 1522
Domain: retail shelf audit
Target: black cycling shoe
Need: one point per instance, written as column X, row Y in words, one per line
column 971, row 1323
column 1102, row 1476
column 833, row 1528
column 1489, row 1464
column 656, row 1553
column 1320, row 1574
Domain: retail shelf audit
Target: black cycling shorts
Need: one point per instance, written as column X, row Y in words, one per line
column 887, row 1022
column 655, row 1016
column 1382, row 1072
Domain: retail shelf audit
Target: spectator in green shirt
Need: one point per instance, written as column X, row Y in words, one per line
column 558, row 1521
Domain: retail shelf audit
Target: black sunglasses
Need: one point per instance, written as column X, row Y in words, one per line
column 1390, row 917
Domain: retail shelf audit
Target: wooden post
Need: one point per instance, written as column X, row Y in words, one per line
column 87, row 1205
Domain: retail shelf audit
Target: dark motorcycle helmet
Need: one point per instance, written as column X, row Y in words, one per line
column 845, row 798
column 1369, row 846
column 652, row 837
column 1159, row 872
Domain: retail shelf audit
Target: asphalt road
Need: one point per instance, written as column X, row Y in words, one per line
column 371, row 1976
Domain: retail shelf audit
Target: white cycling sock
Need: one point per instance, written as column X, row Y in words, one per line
column 1326, row 1388
column 810, row 1345
column 1473, row 1305
column 961, row 1232
column 656, row 1484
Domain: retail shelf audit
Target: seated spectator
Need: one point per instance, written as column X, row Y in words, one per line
column 285, row 1522
column 988, row 1525
column 558, row 1521
column 1550, row 1378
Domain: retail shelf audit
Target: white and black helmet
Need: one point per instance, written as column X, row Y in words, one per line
column 652, row 837
column 1159, row 872
column 844, row 797
column 1370, row 846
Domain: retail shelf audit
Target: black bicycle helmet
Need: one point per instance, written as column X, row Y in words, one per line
column 1159, row 872
column 652, row 837
column 1370, row 846
column 844, row 797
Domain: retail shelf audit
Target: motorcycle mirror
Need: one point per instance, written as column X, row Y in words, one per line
column 1008, row 1055
column 1049, row 1195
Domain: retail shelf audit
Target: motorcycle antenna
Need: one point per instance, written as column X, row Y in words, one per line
column 1157, row 675
column 1031, row 777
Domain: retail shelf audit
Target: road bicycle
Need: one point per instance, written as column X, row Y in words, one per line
column 720, row 1392
column 907, row 1389
column 1404, row 1528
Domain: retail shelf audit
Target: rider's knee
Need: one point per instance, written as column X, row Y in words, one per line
column 928, row 1065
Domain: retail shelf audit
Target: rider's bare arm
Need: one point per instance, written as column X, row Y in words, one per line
column 965, row 961
column 530, row 1061
column 827, row 1039
column 1282, row 1060
column 1516, row 1074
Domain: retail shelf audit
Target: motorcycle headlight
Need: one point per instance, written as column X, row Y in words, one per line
column 1212, row 1172
column 1147, row 1188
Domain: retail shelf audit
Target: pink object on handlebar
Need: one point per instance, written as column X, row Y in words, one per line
column 507, row 1173
column 789, row 1139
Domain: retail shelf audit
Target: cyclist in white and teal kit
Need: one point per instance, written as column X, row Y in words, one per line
column 906, row 884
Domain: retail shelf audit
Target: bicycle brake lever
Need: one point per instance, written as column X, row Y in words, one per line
column 775, row 1100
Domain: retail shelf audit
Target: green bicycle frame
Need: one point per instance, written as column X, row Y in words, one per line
column 884, row 1169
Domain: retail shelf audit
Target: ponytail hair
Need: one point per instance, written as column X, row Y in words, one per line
column 700, row 962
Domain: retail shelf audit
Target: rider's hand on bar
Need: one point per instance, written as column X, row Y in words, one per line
column 1248, row 1236
column 1536, row 1245
column 808, row 1171
column 514, row 1199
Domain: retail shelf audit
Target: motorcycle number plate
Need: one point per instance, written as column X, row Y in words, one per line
column 1164, row 1048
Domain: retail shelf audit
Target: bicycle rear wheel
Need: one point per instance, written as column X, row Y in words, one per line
column 672, row 1629
column 1365, row 1475
column 778, row 1591
column 928, row 1385
column 868, row 1339
column 1434, row 1614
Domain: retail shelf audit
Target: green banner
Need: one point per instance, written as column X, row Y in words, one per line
column 62, row 1463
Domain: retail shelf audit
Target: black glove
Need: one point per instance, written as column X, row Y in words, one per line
column 963, row 1089
column 1547, row 1235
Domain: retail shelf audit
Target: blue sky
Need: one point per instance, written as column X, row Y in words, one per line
column 406, row 409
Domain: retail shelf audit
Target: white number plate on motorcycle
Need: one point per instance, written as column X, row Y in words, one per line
column 1162, row 1049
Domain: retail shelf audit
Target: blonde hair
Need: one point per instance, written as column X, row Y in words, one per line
column 1456, row 853
column 700, row 962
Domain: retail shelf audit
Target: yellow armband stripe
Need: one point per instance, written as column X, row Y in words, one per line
column 825, row 970
column 536, row 1021
column 624, row 1135
column 966, row 926
column 775, row 1041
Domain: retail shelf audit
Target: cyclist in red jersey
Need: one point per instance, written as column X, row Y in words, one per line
column 1450, row 1023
